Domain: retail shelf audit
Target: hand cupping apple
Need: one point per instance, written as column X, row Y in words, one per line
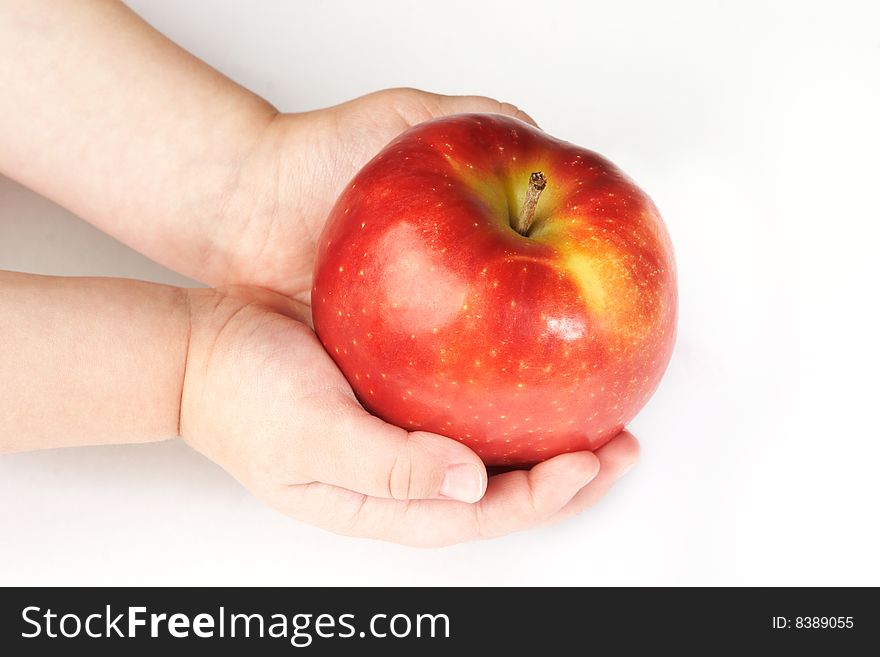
column 484, row 281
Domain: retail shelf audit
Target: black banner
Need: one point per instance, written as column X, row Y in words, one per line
column 112, row 621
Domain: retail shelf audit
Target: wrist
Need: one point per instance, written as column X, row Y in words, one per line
column 263, row 205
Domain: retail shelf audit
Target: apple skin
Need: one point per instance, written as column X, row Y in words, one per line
column 443, row 318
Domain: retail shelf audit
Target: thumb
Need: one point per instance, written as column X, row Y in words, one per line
column 360, row 452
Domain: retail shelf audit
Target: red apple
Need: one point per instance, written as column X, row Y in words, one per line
column 451, row 308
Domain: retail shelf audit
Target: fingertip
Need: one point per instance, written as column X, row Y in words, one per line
column 464, row 476
column 589, row 465
column 459, row 104
column 512, row 110
column 594, row 466
column 574, row 469
column 464, row 482
column 620, row 454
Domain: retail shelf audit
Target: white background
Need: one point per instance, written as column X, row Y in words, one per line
column 755, row 129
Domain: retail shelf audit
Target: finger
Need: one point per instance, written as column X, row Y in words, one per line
column 360, row 452
column 514, row 501
column 616, row 458
column 524, row 498
column 462, row 104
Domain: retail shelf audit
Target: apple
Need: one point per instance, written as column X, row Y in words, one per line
column 482, row 280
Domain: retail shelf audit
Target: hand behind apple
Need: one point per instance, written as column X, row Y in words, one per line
column 295, row 173
column 264, row 400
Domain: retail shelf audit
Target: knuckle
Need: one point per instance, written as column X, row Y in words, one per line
column 508, row 108
column 352, row 518
column 400, row 478
column 480, row 522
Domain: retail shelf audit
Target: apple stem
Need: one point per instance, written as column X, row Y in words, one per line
column 537, row 183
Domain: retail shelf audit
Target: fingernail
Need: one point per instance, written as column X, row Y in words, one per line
column 626, row 469
column 463, row 482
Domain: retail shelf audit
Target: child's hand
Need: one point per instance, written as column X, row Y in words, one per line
column 293, row 174
column 262, row 398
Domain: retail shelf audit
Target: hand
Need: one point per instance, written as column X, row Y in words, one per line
column 262, row 399
column 298, row 168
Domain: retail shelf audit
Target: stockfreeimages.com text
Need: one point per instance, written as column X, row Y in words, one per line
column 300, row 629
